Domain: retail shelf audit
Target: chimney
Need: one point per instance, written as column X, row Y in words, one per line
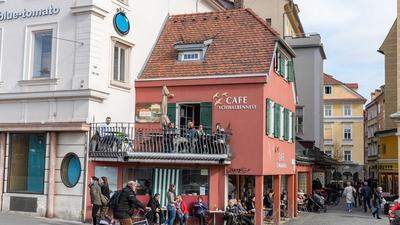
column 238, row 4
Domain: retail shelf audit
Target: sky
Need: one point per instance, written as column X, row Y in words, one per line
column 352, row 31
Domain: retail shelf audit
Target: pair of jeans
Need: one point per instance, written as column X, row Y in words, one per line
column 376, row 210
column 349, row 206
column 366, row 202
column 171, row 214
column 182, row 218
column 95, row 210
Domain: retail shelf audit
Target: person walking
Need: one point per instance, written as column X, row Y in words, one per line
column 171, row 207
column 95, row 198
column 366, row 194
column 105, row 191
column 348, row 193
column 377, row 202
column 127, row 202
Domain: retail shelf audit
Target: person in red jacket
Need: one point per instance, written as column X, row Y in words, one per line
column 182, row 211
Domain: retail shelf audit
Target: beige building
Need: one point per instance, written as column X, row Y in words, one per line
column 344, row 124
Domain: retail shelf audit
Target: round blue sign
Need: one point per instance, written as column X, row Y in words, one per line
column 121, row 23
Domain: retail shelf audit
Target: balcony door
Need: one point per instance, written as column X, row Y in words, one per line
column 189, row 113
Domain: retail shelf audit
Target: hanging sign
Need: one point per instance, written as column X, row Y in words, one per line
column 9, row 15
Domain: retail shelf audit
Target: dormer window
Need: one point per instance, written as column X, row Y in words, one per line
column 190, row 56
column 192, row 51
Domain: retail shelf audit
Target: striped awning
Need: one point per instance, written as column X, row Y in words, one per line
column 162, row 179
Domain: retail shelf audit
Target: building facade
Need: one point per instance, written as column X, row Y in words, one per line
column 344, row 125
column 237, row 92
column 308, row 64
column 64, row 65
column 374, row 122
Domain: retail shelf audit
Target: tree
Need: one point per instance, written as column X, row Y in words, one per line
column 337, row 151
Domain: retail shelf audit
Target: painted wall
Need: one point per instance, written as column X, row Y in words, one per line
column 309, row 63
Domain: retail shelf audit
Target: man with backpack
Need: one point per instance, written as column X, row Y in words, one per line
column 124, row 202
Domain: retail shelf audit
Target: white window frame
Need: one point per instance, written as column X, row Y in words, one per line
column 350, row 108
column 328, row 86
column 290, row 126
column 331, row 110
column 350, row 128
column 271, row 118
column 126, row 84
column 29, row 50
column 183, row 53
column 350, row 155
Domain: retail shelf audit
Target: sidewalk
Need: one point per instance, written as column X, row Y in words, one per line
column 338, row 216
column 20, row 219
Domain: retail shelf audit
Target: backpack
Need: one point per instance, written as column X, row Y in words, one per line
column 114, row 200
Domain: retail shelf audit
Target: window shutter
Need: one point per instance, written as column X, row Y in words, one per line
column 267, row 116
column 171, row 112
column 291, row 71
column 277, row 124
column 285, row 124
column 282, row 65
column 206, row 116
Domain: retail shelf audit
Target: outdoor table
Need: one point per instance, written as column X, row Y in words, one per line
column 214, row 213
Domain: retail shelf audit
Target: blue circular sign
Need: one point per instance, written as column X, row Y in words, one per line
column 121, row 23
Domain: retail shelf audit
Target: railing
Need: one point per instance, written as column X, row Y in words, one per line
column 124, row 140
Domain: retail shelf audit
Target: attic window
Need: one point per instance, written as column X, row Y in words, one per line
column 192, row 51
column 190, row 56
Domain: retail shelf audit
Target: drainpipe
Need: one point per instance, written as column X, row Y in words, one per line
column 52, row 176
column 85, row 176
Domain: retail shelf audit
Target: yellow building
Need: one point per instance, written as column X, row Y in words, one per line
column 387, row 162
column 344, row 124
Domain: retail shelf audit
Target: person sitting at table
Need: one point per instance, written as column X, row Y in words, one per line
column 155, row 215
column 182, row 211
column 232, row 213
column 244, row 216
column 199, row 210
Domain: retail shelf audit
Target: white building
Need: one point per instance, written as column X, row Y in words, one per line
column 63, row 65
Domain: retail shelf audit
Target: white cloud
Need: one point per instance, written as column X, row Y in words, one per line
column 352, row 31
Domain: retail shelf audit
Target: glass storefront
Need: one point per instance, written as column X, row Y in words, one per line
column 27, row 163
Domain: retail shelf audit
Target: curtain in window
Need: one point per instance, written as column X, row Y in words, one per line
column 163, row 178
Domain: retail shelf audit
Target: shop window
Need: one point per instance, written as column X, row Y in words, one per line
column 70, row 170
column 27, row 163
column 143, row 177
column 110, row 172
column 194, row 182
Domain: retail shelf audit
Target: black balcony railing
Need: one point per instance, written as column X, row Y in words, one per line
column 123, row 140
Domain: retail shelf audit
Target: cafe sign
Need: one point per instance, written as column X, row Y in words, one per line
column 225, row 101
column 9, row 15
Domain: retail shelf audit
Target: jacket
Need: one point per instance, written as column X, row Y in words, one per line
column 366, row 191
column 377, row 199
column 199, row 208
column 183, row 207
column 154, row 204
column 105, row 190
column 95, row 194
column 127, row 202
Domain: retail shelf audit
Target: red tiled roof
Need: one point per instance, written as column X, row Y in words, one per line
column 242, row 43
column 329, row 80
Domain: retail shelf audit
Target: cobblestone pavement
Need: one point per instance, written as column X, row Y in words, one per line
column 338, row 216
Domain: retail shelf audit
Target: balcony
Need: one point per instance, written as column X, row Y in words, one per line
column 125, row 142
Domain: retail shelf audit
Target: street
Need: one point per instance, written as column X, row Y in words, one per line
column 338, row 216
column 19, row 219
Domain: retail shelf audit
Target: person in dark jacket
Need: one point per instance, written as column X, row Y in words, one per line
column 127, row 202
column 377, row 201
column 95, row 198
column 269, row 202
column 155, row 215
column 199, row 210
column 105, row 191
column 366, row 194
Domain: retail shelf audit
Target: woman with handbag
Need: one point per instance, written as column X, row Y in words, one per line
column 105, row 198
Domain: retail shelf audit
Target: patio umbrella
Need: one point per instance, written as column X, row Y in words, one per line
column 164, row 106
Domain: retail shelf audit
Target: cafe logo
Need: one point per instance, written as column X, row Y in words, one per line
column 224, row 101
column 242, row 170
